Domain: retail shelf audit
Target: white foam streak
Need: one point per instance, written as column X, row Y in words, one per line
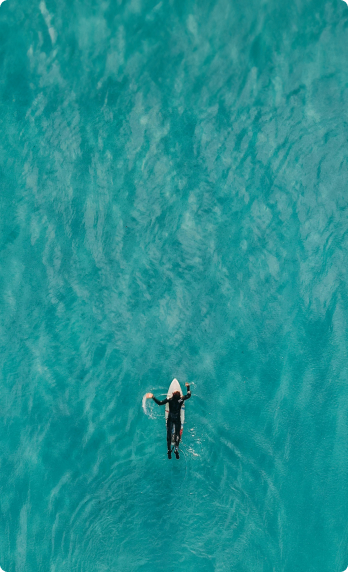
column 146, row 411
column 47, row 18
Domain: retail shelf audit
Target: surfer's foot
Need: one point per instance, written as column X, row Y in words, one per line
column 177, row 454
column 169, row 454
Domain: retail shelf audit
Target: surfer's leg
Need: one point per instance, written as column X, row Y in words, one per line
column 177, row 432
column 169, row 434
column 177, row 437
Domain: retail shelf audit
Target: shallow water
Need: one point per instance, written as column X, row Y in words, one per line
column 173, row 204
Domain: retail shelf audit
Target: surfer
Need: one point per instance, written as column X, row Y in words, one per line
column 175, row 404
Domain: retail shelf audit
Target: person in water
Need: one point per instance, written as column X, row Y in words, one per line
column 175, row 405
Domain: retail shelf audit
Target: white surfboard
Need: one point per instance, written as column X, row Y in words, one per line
column 175, row 386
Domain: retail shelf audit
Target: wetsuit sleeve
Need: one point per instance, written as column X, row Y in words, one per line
column 188, row 394
column 163, row 402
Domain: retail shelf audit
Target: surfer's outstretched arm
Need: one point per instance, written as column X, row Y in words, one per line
column 163, row 402
column 151, row 395
column 188, row 394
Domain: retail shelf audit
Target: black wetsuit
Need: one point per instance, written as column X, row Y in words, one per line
column 175, row 406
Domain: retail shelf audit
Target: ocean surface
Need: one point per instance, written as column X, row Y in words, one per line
column 174, row 203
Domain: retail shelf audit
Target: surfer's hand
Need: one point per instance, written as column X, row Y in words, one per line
column 149, row 395
column 187, row 384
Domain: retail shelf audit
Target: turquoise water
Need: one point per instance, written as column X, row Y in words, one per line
column 173, row 191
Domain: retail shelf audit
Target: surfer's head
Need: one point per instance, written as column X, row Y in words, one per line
column 176, row 395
